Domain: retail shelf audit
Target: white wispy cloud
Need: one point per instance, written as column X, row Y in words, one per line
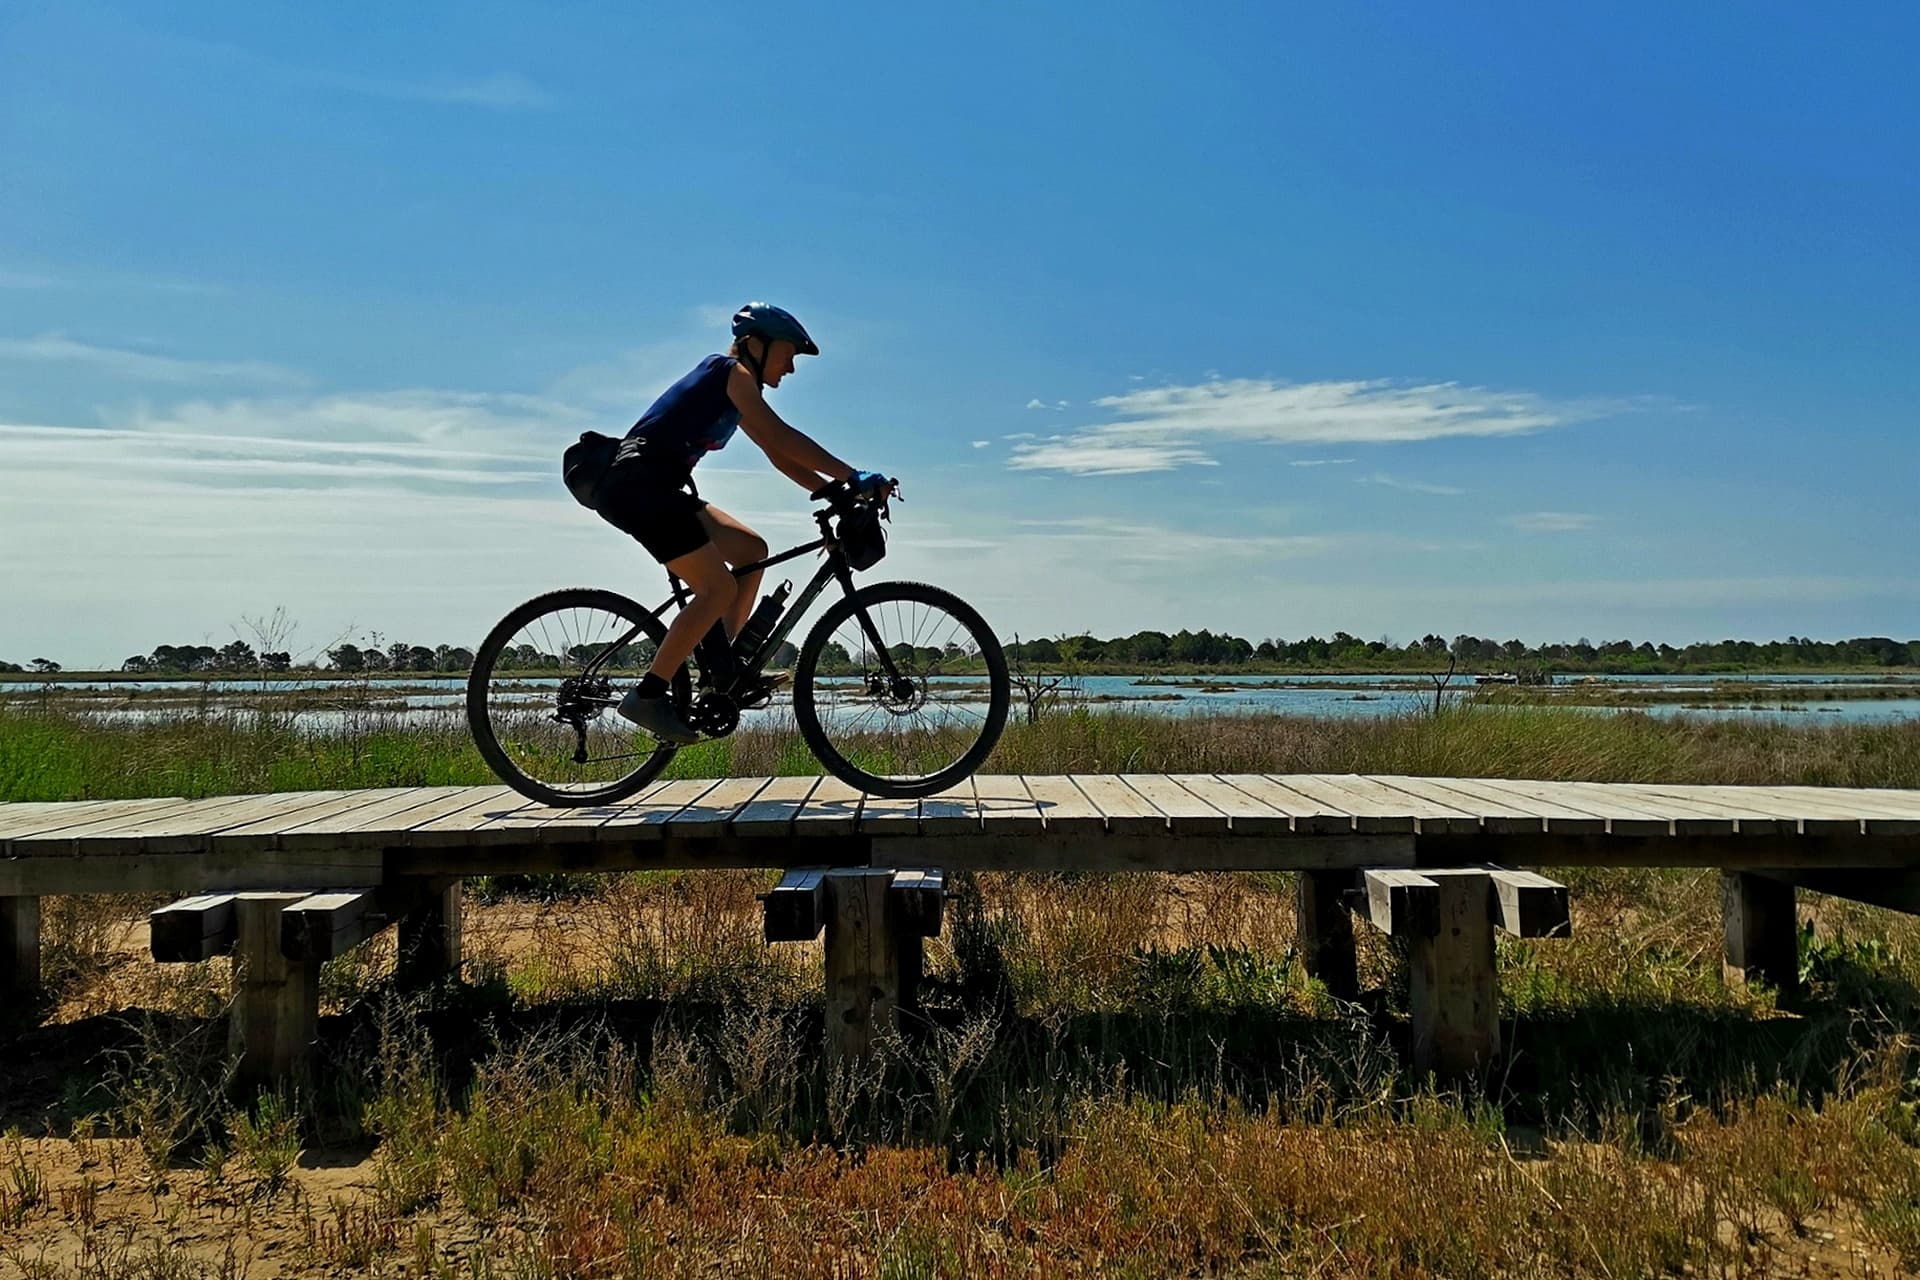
column 1089, row 455
column 1552, row 521
column 1411, row 486
column 143, row 366
column 982, row 444
column 1320, row 462
column 1174, row 425
column 1020, row 435
column 1052, row 406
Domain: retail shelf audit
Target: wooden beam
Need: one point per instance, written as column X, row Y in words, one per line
column 1404, row 904
column 918, row 898
column 863, row 963
column 1527, row 905
column 1894, row 890
column 796, row 908
column 1762, row 936
column 1453, row 989
column 191, row 929
column 326, row 925
column 19, row 947
column 429, row 944
column 1325, row 931
column 276, row 1002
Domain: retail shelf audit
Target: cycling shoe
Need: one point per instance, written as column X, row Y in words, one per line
column 657, row 717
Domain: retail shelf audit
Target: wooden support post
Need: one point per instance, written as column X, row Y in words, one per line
column 1762, row 938
column 276, row 1001
column 864, row 961
column 1453, row 989
column 429, row 946
column 19, row 947
column 1325, row 931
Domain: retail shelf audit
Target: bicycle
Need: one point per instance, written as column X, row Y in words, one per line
column 892, row 705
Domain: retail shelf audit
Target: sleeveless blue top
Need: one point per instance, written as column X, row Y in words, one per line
column 692, row 418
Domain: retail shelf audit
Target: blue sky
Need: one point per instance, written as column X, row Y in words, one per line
column 1506, row 319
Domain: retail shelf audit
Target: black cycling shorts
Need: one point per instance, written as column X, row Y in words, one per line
column 659, row 514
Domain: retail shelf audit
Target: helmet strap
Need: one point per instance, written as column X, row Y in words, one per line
column 758, row 366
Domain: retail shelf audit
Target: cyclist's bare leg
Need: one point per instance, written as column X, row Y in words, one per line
column 713, row 586
column 738, row 545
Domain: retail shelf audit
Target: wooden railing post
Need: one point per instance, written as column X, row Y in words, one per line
column 19, row 947
column 429, row 941
column 1762, row 939
column 276, row 1001
column 1325, row 930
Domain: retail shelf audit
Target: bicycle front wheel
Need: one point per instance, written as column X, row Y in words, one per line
column 541, row 697
column 922, row 719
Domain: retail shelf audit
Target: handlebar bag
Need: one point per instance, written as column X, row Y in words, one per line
column 863, row 539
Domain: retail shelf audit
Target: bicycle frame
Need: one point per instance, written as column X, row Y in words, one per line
column 835, row 567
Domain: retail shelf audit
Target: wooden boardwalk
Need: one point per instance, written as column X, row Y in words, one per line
column 285, row 881
column 345, row 839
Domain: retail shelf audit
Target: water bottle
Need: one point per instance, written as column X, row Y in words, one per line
column 761, row 622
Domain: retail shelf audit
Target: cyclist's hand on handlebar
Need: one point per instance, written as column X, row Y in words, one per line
column 869, row 482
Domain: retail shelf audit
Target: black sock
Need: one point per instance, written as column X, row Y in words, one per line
column 652, row 686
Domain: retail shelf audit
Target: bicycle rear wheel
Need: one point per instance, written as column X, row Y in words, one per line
column 925, row 725
column 541, row 697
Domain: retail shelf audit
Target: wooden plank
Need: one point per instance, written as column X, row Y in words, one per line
column 1187, row 813
column 833, row 809
column 1804, row 817
column 648, row 819
column 105, row 820
column 1309, row 817
column 1530, row 905
column 1894, row 890
column 428, row 946
column 1499, row 817
column 381, row 823
column 1006, row 806
column 887, row 816
column 192, row 929
column 1431, row 814
column 1621, row 820
column 177, row 831
column 1051, row 852
column 454, row 828
column 1686, row 819
column 796, row 908
column 1504, row 813
column 714, row 811
column 1882, row 813
column 1685, row 803
column 1245, row 815
column 1064, row 808
column 1403, row 904
column 955, row 811
column 266, row 830
column 1375, row 811
column 42, row 819
column 1126, row 811
column 771, row 812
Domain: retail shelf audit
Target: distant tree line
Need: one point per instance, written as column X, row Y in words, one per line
column 1141, row 651
column 1145, row 650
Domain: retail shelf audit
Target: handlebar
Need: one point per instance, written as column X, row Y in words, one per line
column 841, row 493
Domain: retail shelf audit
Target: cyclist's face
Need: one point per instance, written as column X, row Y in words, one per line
column 779, row 361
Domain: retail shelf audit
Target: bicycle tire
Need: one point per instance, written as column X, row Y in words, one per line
column 817, row 735
column 480, row 722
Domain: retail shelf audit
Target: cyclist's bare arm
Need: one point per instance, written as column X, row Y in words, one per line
column 794, row 452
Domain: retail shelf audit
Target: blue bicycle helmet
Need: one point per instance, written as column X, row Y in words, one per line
column 765, row 321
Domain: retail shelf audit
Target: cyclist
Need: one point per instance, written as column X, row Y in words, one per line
column 649, row 493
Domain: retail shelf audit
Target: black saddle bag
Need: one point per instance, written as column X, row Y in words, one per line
column 584, row 464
